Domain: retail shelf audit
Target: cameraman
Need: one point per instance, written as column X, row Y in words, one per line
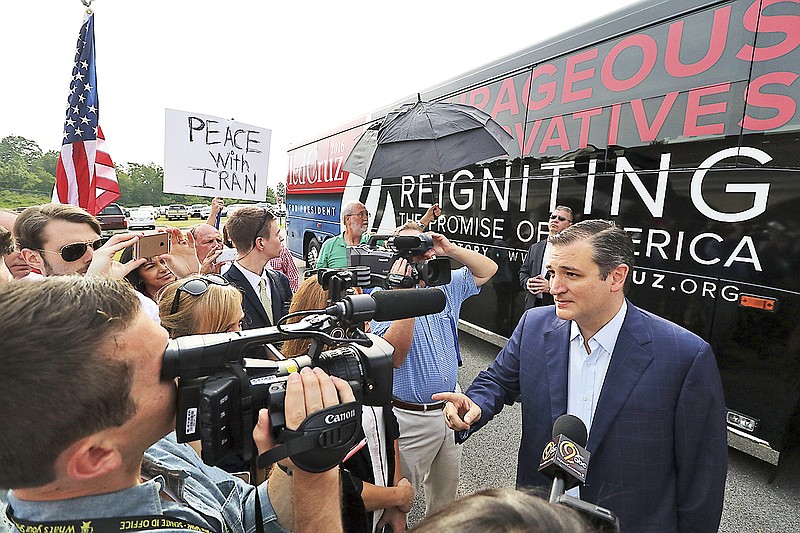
column 88, row 420
column 426, row 360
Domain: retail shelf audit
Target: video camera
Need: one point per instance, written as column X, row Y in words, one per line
column 225, row 378
column 380, row 260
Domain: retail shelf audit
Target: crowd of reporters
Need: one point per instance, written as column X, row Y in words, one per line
column 93, row 420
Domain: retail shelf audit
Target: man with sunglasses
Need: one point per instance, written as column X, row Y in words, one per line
column 62, row 240
column 532, row 273
column 267, row 293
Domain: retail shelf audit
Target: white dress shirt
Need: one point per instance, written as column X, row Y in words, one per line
column 587, row 371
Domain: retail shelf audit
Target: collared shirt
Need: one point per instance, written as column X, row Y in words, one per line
column 432, row 364
column 209, row 496
column 334, row 252
column 545, row 257
column 587, row 371
column 254, row 279
column 285, row 263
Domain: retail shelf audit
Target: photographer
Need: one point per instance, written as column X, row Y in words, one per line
column 87, row 423
column 426, row 362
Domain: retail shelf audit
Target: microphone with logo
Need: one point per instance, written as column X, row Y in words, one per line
column 565, row 460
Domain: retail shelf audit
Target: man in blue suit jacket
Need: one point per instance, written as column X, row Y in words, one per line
column 648, row 391
column 254, row 232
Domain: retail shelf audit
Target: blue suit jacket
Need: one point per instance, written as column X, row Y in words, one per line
column 254, row 314
column 658, row 440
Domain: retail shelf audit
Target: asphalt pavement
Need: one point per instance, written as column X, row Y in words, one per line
column 752, row 503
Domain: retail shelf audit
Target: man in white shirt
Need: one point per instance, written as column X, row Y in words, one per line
column 648, row 391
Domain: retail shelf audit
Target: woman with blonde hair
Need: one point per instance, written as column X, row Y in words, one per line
column 374, row 465
column 200, row 304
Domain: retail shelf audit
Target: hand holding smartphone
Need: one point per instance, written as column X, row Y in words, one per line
column 227, row 255
column 151, row 245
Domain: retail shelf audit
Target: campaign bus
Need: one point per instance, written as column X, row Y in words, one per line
column 676, row 120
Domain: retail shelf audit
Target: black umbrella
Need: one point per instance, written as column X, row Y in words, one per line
column 429, row 138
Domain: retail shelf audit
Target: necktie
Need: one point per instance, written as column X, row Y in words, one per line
column 266, row 301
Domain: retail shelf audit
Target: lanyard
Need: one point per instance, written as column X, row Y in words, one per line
column 103, row 525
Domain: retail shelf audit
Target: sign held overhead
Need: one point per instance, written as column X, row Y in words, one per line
column 211, row 156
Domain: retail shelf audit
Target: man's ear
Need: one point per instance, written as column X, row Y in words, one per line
column 91, row 457
column 618, row 276
column 33, row 258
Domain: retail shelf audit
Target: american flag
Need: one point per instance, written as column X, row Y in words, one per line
column 85, row 175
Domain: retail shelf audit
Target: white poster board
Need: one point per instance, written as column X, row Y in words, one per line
column 212, row 156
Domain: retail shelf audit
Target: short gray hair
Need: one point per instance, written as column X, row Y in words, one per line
column 349, row 207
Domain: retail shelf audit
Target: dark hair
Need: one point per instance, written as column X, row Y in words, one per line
column 133, row 276
column 7, row 242
column 31, row 223
column 247, row 223
column 502, row 511
column 60, row 380
column 612, row 245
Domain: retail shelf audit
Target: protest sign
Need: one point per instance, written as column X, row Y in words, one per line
column 212, row 156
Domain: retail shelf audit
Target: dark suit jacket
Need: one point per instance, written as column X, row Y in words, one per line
column 658, row 440
column 531, row 268
column 254, row 314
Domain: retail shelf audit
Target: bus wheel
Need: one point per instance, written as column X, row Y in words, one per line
column 312, row 253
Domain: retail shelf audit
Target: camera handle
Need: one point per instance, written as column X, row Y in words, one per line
column 321, row 441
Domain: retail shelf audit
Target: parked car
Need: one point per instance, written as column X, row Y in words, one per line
column 149, row 208
column 230, row 209
column 141, row 219
column 205, row 212
column 196, row 210
column 112, row 220
column 177, row 212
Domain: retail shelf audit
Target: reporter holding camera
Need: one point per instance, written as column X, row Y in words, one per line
column 426, row 360
column 93, row 446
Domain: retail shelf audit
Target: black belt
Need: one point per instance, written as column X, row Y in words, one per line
column 422, row 407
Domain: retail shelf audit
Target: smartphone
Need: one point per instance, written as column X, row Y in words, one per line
column 151, row 245
column 227, row 255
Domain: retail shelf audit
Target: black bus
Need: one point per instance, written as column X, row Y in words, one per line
column 676, row 119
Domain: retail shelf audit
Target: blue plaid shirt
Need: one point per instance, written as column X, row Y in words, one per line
column 432, row 365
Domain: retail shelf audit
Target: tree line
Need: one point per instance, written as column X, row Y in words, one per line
column 28, row 175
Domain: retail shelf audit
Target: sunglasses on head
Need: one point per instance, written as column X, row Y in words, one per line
column 559, row 217
column 74, row 251
column 196, row 287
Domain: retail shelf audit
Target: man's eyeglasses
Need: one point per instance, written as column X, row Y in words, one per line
column 362, row 214
column 560, row 218
column 74, row 251
column 196, row 287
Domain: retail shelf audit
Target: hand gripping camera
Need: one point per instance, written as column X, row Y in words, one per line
column 380, row 260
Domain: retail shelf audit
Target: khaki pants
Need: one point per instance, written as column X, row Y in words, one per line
column 429, row 455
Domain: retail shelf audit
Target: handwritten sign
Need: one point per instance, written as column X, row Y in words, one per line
column 212, row 156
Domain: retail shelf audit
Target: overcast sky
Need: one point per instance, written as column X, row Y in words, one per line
column 296, row 67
